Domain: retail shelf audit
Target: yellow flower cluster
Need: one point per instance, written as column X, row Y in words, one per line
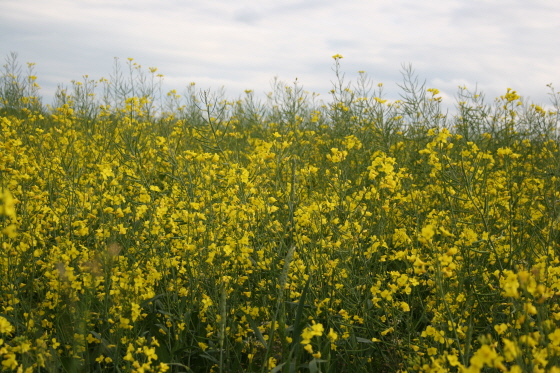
column 233, row 238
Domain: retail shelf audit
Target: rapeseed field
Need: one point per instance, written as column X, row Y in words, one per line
column 150, row 232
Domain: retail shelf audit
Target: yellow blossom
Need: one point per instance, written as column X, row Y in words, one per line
column 5, row 326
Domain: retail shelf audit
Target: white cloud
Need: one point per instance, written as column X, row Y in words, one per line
column 245, row 44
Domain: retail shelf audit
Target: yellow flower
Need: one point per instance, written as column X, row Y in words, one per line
column 387, row 331
column 337, row 57
column 510, row 285
column 121, row 228
column 7, row 204
column 337, row 156
column 312, row 331
column 106, row 172
column 555, row 337
column 511, row 350
column 317, row 329
column 150, row 353
column 453, row 360
column 10, row 361
column 163, row 367
column 404, row 306
column 5, row 326
column 485, row 355
column 428, row 232
column 125, row 323
column 446, row 233
column 504, row 151
column 136, row 311
column 333, row 336
column 306, row 336
column 271, row 362
column 500, row 328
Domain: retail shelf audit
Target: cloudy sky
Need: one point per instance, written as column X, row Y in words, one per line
column 244, row 44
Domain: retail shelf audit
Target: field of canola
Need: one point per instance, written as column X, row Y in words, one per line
column 210, row 235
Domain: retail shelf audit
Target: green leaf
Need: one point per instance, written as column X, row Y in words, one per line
column 298, row 327
column 313, row 366
column 277, row 368
column 148, row 301
column 182, row 366
column 209, row 357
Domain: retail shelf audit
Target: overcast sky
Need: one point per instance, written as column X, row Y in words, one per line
column 244, row 44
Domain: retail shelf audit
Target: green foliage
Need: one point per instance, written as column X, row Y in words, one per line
column 189, row 233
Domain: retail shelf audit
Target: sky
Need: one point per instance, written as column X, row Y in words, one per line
column 243, row 44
